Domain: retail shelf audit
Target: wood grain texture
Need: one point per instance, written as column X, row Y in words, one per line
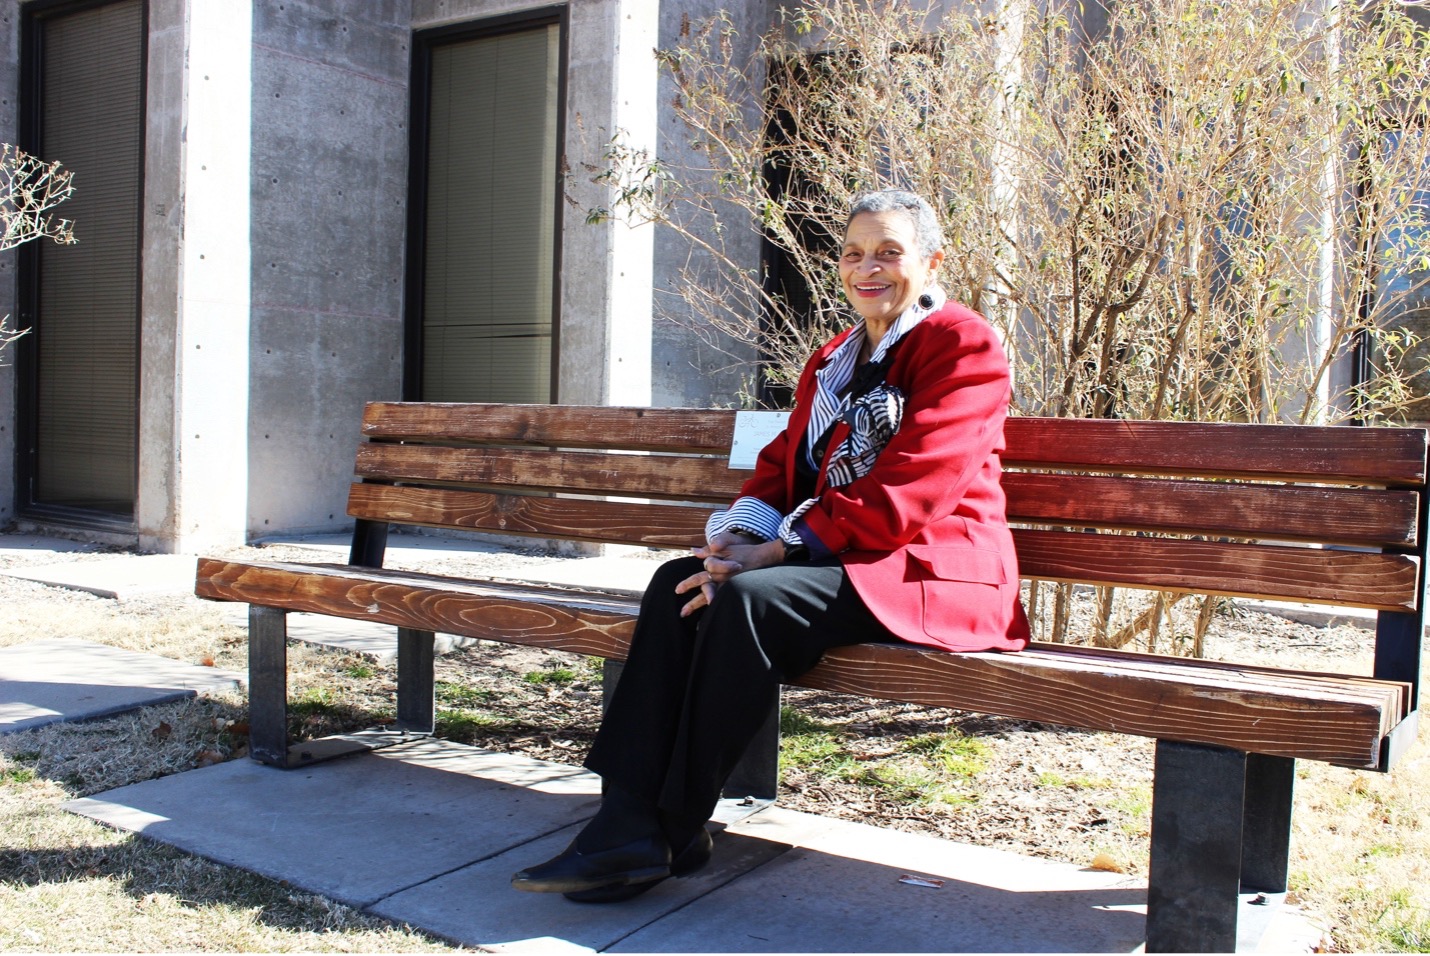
column 1345, row 578
column 1332, row 718
column 682, row 478
column 532, row 615
column 579, row 519
column 1337, row 724
column 1325, row 453
column 1330, row 515
column 571, row 426
column 1199, row 449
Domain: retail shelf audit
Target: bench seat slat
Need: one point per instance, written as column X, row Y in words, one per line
column 1350, row 578
column 1324, row 717
column 647, row 429
column 614, row 522
column 685, row 478
column 1331, row 515
column 584, row 624
column 1032, row 686
column 1315, row 453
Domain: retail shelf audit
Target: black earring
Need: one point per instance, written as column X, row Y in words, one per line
column 926, row 301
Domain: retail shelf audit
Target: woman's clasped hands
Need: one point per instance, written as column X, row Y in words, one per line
column 726, row 555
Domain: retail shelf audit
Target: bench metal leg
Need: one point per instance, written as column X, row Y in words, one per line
column 268, row 685
column 1266, row 827
column 416, row 687
column 758, row 772
column 1195, row 871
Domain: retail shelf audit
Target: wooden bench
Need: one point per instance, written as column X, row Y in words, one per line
column 1333, row 516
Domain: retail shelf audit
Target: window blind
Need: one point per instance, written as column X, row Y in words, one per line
column 87, row 316
column 491, row 219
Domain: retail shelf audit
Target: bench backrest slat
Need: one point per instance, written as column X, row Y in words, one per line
column 1337, row 454
column 1332, row 453
column 1355, row 579
column 1194, row 507
column 583, row 472
column 652, row 429
column 1329, row 515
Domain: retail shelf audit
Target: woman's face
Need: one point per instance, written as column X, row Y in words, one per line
column 881, row 267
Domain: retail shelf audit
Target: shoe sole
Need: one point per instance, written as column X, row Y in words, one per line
column 643, row 875
column 691, row 859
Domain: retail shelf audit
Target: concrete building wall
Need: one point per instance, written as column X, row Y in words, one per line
column 329, row 204
column 606, row 268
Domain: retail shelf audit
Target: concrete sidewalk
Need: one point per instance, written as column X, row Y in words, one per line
column 428, row 833
column 63, row 678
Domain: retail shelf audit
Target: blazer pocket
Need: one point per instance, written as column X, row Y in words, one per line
column 976, row 565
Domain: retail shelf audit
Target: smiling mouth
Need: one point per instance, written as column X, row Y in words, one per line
column 870, row 289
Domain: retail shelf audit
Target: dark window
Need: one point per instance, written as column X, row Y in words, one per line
column 484, row 282
column 85, row 108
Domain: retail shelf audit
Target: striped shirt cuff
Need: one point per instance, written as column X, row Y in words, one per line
column 746, row 516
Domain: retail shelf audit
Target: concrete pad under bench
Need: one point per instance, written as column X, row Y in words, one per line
column 62, row 678
column 428, row 833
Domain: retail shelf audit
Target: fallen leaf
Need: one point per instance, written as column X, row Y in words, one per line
column 206, row 661
column 207, row 758
column 163, row 730
column 1105, row 863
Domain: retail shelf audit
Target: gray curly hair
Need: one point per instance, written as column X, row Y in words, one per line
column 927, row 230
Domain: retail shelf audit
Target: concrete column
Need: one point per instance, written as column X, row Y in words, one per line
column 606, row 283
column 193, row 395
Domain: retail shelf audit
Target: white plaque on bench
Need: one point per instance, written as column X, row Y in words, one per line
column 753, row 431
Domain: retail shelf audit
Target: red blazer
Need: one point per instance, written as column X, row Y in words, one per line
column 923, row 536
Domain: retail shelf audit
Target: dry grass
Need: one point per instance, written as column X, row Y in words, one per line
column 68, row 884
column 1361, row 850
column 1361, row 853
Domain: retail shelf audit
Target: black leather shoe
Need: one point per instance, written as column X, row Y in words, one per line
column 694, row 857
column 573, row 871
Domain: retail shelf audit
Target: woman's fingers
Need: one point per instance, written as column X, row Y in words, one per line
column 704, row 585
column 722, row 569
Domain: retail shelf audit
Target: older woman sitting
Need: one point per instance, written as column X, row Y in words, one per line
column 876, row 516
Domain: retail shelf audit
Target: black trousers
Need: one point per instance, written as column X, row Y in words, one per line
column 696, row 690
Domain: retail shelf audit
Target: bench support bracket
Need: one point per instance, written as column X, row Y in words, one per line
column 416, row 687
column 1266, row 830
column 268, row 698
column 268, row 685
